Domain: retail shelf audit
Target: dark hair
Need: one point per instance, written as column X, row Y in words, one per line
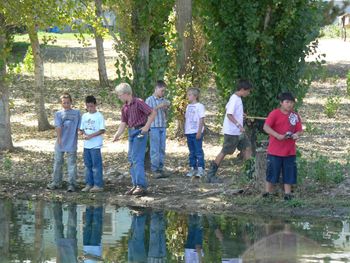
column 286, row 96
column 244, row 84
column 160, row 84
column 90, row 99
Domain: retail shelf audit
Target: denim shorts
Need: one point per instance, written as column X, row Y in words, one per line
column 233, row 142
column 276, row 164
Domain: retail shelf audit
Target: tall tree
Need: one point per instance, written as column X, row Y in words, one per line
column 102, row 72
column 33, row 15
column 5, row 126
column 184, row 29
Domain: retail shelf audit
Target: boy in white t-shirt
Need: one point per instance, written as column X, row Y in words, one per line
column 92, row 127
column 194, row 127
column 232, row 129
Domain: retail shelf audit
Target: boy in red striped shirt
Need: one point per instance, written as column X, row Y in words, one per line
column 138, row 116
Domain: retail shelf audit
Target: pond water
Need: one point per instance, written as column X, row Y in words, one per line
column 65, row 232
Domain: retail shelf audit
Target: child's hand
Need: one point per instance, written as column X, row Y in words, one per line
column 115, row 138
column 87, row 137
column 144, row 130
column 198, row 135
column 59, row 140
column 295, row 136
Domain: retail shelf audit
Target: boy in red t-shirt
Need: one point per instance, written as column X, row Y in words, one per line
column 284, row 127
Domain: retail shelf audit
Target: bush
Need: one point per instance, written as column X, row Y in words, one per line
column 330, row 31
column 332, row 106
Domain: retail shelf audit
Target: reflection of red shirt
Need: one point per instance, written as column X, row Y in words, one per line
column 282, row 123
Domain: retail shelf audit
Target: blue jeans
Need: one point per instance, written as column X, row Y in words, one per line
column 136, row 156
column 157, row 146
column 157, row 239
column 93, row 167
column 71, row 167
column 92, row 232
column 196, row 157
column 136, row 242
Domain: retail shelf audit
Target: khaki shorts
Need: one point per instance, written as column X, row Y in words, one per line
column 233, row 142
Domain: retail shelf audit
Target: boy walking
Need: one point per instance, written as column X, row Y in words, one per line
column 233, row 130
column 157, row 132
column 284, row 127
column 194, row 127
column 138, row 116
column 67, row 123
column 92, row 127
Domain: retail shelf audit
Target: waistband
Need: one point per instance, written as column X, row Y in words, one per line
column 137, row 127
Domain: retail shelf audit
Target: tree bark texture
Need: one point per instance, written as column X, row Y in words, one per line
column 140, row 67
column 39, row 92
column 102, row 71
column 5, row 126
column 184, row 28
column 260, row 169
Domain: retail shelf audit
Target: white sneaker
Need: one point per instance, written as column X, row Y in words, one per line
column 86, row 188
column 191, row 173
column 96, row 189
column 200, row 172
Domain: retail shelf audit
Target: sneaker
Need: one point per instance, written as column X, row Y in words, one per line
column 130, row 191
column 214, row 180
column 160, row 174
column 288, row 197
column 191, row 173
column 139, row 191
column 96, row 189
column 213, row 169
column 52, row 186
column 71, row 188
column 267, row 195
column 200, row 172
column 86, row 188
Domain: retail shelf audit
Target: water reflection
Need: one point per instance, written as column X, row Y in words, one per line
column 59, row 232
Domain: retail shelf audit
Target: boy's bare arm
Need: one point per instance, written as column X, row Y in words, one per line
column 235, row 122
column 92, row 135
column 200, row 128
column 150, row 119
column 120, row 131
column 273, row 133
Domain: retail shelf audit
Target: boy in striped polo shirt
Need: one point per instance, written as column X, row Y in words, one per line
column 158, row 129
column 138, row 116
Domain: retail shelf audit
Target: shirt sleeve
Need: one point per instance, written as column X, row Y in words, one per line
column 201, row 111
column 102, row 123
column 58, row 120
column 149, row 102
column 230, row 106
column 81, row 126
column 270, row 120
column 124, row 117
column 142, row 106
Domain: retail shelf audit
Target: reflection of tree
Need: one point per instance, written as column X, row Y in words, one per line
column 176, row 235
column 4, row 230
column 39, row 229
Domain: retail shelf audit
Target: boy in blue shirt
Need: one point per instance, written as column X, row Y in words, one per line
column 92, row 127
column 67, row 123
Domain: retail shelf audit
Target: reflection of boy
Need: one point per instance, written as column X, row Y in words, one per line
column 194, row 242
column 136, row 243
column 67, row 123
column 66, row 246
column 157, row 241
column 92, row 234
column 284, row 127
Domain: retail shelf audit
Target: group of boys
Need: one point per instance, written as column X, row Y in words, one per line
column 149, row 118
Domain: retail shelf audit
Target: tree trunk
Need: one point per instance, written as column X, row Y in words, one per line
column 260, row 169
column 184, row 29
column 5, row 126
column 39, row 94
column 141, row 66
column 102, row 72
column 39, row 230
column 4, row 231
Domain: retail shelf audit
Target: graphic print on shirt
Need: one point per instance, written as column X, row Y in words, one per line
column 293, row 120
column 90, row 125
column 193, row 121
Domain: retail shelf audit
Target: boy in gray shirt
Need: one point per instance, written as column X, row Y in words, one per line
column 67, row 122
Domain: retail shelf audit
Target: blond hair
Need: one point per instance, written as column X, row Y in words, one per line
column 195, row 92
column 123, row 88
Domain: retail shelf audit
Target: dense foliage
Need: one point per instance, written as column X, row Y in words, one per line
column 263, row 41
